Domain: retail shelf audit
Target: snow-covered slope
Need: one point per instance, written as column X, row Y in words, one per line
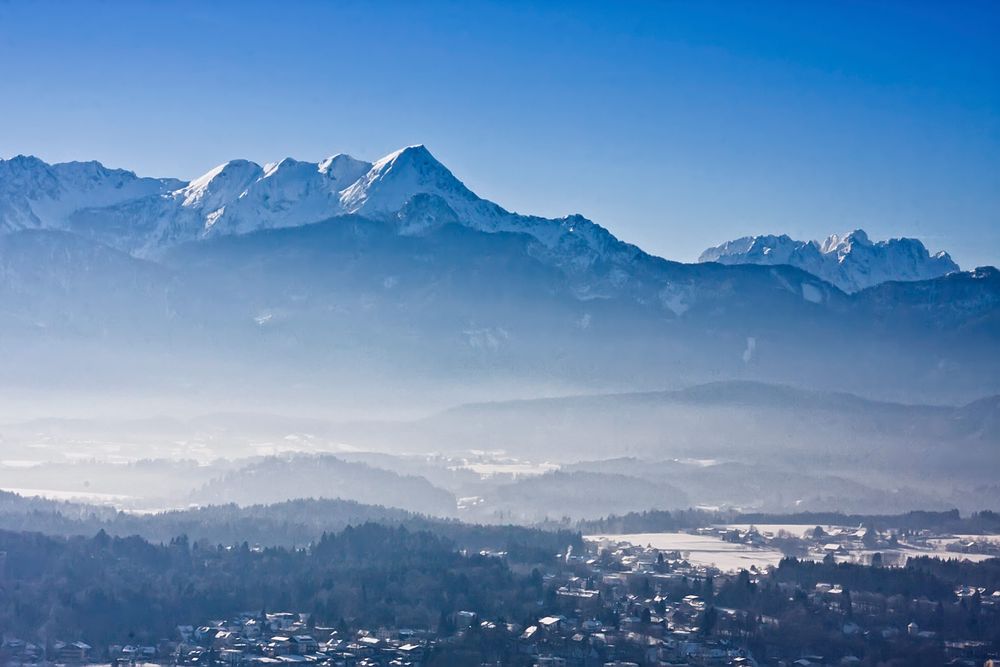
column 852, row 261
column 220, row 186
column 36, row 195
column 387, row 191
column 287, row 194
column 409, row 188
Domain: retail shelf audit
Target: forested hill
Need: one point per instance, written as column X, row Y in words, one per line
column 103, row 589
column 286, row 524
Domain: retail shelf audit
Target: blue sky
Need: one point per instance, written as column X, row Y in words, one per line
column 677, row 125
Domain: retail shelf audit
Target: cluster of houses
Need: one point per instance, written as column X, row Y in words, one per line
column 614, row 614
column 573, row 639
column 841, row 542
column 855, row 544
column 616, row 605
column 981, row 546
column 287, row 639
column 17, row 652
column 673, row 637
column 561, row 641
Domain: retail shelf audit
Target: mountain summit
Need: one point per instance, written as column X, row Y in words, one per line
column 850, row 261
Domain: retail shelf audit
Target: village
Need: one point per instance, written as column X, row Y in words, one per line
column 614, row 605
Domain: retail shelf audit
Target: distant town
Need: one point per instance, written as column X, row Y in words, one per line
column 617, row 604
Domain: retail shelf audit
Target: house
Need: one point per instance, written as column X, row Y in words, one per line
column 72, row 651
column 279, row 645
column 231, row 657
column 551, row 623
column 369, row 642
column 303, row 644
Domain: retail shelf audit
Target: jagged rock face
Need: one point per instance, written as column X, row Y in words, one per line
column 852, row 262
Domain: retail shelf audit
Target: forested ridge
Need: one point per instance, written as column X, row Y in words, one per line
column 106, row 588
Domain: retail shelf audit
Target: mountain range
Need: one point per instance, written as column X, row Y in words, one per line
column 409, row 189
column 851, row 261
column 349, row 283
column 724, row 444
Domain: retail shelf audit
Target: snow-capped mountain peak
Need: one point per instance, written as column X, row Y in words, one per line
column 850, row 261
column 397, row 177
column 38, row 195
column 843, row 244
column 768, row 249
column 411, row 187
column 287, row 193
column 344, row 169
column 289, row 169
column 220, row 185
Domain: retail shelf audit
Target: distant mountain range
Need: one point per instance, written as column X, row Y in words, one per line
column 732, row 444
column 726, row 444
column 376, row 284
column 852, row 262
column 747, row 421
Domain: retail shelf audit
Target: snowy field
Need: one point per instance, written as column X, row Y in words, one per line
column 701, row 549
column 707, row 550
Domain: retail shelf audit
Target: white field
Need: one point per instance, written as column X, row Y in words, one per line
column 701, row 550
column 707, row 550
